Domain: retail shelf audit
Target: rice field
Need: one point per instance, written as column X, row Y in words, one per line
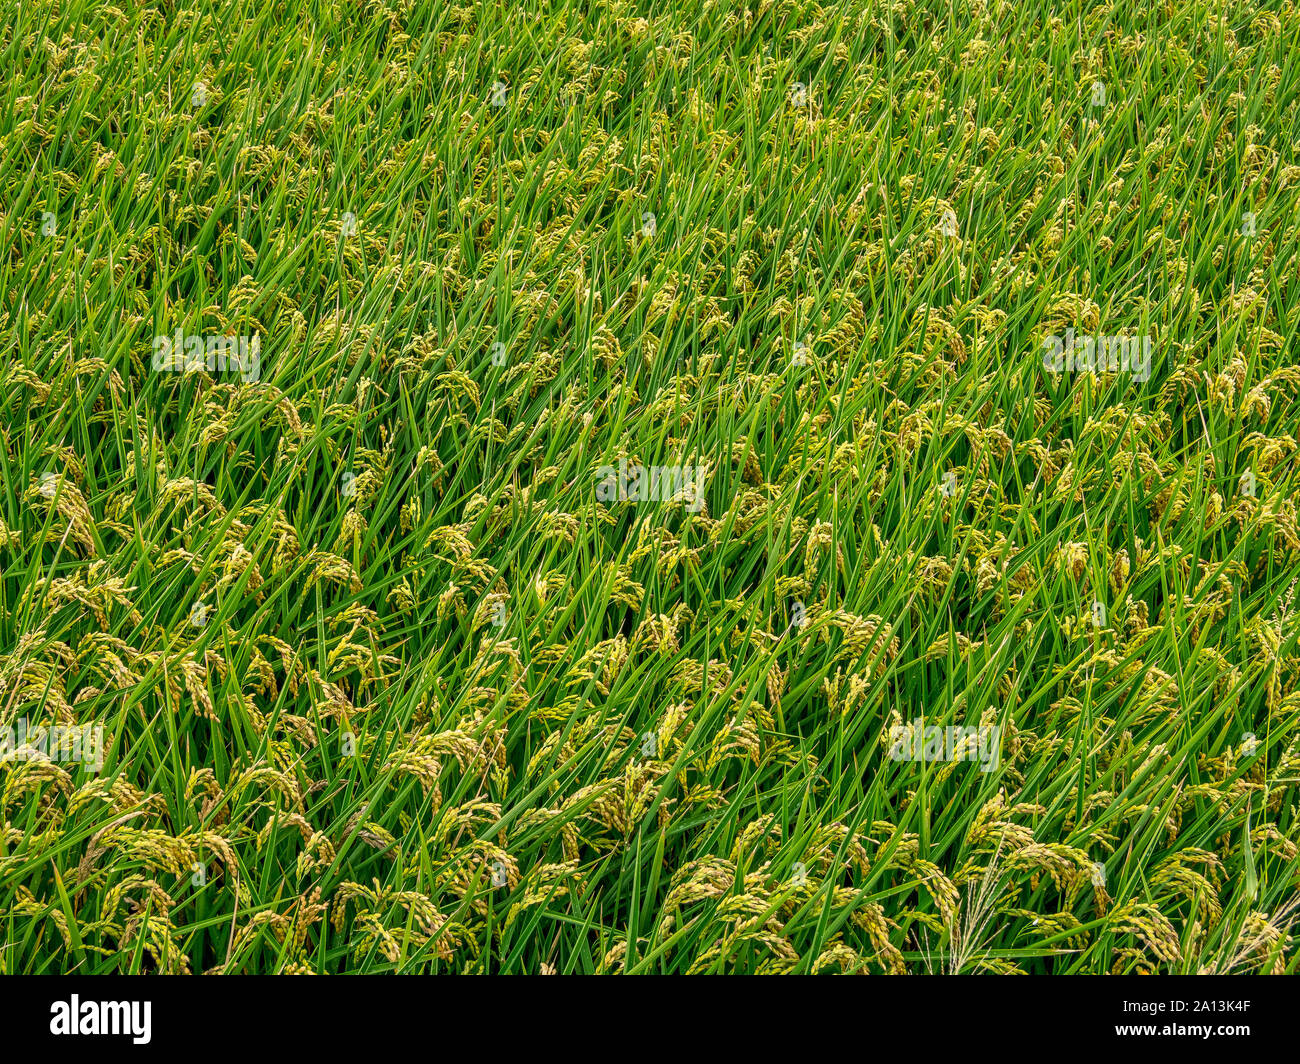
column 634, row 488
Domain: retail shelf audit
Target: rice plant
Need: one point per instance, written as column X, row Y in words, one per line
column 620, row 487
